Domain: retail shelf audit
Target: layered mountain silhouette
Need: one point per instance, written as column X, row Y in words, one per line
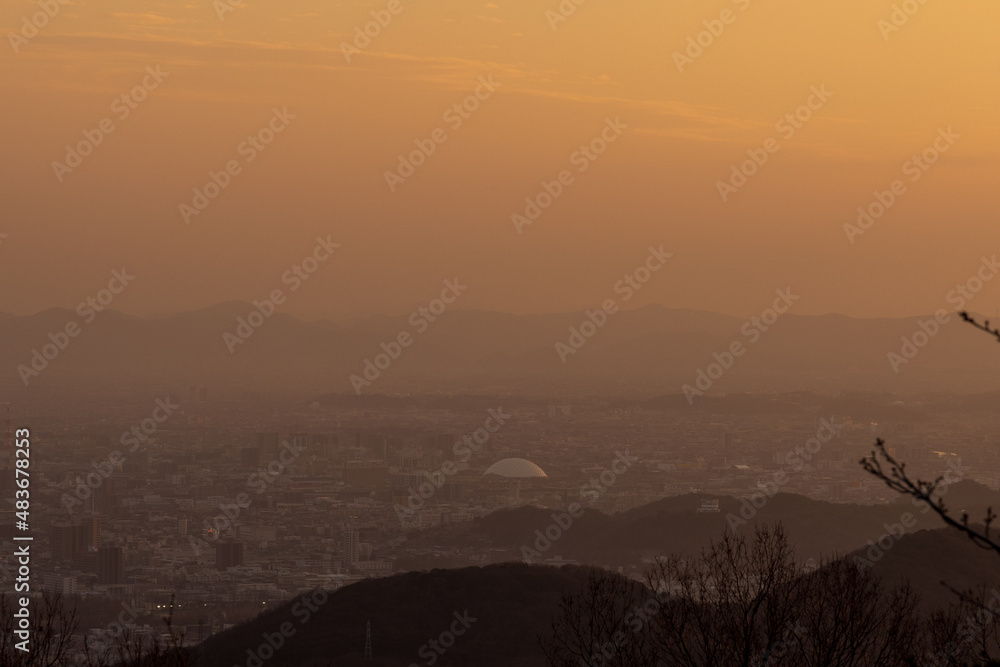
column 651, row 349
column 512, row 605
column 816, row 529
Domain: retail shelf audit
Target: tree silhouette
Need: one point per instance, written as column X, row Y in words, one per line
column 893, row 473
column 745, row 602
column 53, row 644
column 51, row 628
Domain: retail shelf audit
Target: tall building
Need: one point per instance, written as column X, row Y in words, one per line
column 394, row 444
column 111, row 566
column 351, row 545
column 366, row 475
column 228, row 554
column 88, row 533
column 58, row 584
column 322, row 445
column 81, row 536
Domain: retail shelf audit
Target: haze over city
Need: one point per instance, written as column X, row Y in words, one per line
column 511, row 334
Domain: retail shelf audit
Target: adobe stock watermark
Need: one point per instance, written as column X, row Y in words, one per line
column 595, row 488
column 420, row 320
column 135, row 436
column 268, row 475
column 432, row 651
column 121, row 107
column 257, row 481
column 114, row 631
column 696, row 44
column 294, row 277
column 60, row 340
column 795, row 461
column 224, row 7
column 786, row 126
column 454, row 116
column 627, row 287
column 31, row 25
column 592, row 491
column 928, row 328
column 215, row 526
column 248, row 149
column 968, row 635
column 753, row 329
column 302, row 610
column 901, row 14
column 562, row 13
column 894, row 532
column 915, row 168
column 363, row 35
column 582, row 159
column 635, row 620
column 463, row 450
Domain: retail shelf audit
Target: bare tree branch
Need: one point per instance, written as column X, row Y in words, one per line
column 893, row 473
column 985, row 326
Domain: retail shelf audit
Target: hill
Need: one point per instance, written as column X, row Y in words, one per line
column 817, row 529
column 496, row 613
column 494, row 616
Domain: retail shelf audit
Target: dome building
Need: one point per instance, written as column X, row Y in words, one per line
column 514, row 470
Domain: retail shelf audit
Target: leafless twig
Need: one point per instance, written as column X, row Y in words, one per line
column 883, row 465
column 985, row 326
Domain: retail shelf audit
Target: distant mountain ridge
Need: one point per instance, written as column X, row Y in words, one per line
column 816, row 529
column 653, row 350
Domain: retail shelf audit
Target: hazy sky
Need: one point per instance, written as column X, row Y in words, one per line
column 656, row 184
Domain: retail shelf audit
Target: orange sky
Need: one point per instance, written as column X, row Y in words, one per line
column 324, row 174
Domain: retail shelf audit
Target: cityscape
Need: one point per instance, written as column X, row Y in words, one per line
column 499, row 334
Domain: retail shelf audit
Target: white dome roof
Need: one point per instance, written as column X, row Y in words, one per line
column 515, row 468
